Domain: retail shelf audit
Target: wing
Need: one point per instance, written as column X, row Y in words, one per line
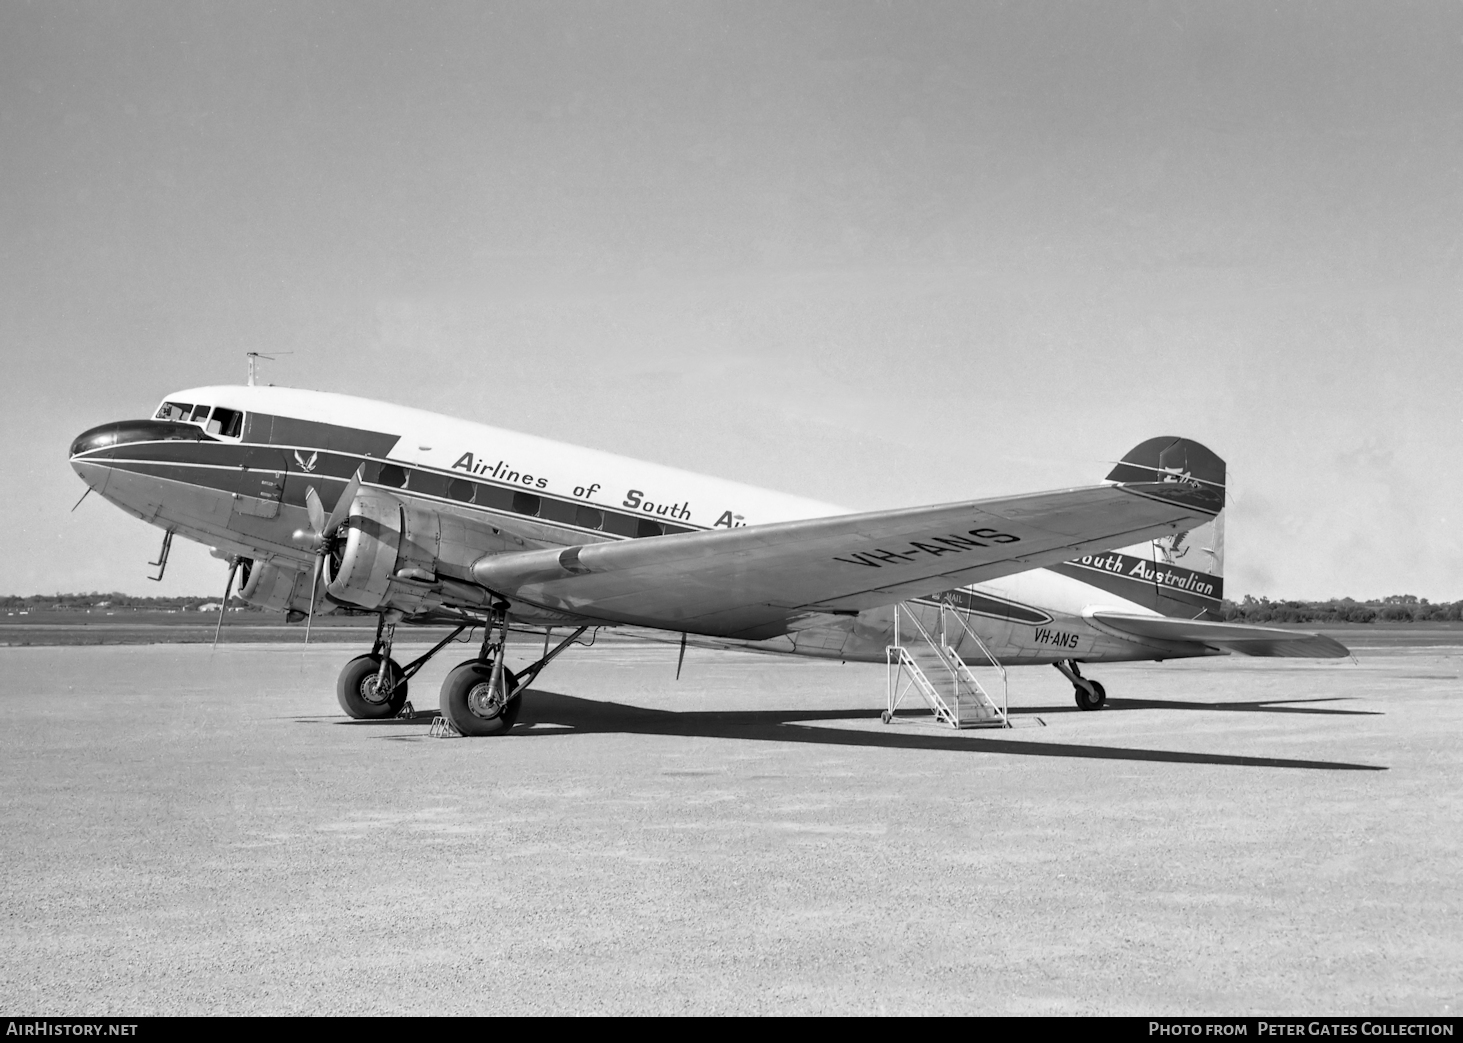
column 756, row 582
column 1165, row 631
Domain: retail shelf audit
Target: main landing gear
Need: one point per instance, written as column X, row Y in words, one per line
column 1090, row 694
column 482, row 696
column 479, row 697
column 371, row 687
column 374, row 686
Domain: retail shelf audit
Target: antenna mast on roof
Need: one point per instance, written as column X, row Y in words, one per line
column 254, row 356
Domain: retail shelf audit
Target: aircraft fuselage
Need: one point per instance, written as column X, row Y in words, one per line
column 230, row 467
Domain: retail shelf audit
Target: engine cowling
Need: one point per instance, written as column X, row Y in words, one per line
column 361, row 562
column 386, row 553
column 268, row 584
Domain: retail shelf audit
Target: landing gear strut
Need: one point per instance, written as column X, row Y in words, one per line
column 482, row 696
column 1090, row 694
column 362, row 692
column 373, row 686
column 478, row 695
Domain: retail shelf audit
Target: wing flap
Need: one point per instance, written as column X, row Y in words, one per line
column 1234, row 637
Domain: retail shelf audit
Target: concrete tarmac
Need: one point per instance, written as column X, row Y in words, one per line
column 196, row 832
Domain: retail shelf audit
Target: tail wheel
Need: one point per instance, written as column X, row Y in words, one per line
column 362, row 697
column 471, row 704
column 1092, row 700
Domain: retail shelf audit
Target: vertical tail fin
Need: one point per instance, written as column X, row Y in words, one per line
column 1180, row 575
column 1188, row 571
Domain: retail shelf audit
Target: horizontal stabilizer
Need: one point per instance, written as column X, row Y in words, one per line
column 1232, row 637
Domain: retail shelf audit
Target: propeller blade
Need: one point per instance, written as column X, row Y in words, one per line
column 314, row 586
column 316, row 509
column 342, row 506
column 228, row 589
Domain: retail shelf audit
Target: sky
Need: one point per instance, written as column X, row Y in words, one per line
column 879, row 254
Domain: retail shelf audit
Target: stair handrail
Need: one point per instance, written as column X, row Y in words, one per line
column 965, row 625
column 938, row 646
column 928, row 690
column 985, row 650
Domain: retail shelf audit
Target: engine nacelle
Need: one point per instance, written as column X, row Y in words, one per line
column 413, row 559
column 268, row 584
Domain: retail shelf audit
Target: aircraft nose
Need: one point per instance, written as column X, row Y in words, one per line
column 124, row 431
column 96, row 438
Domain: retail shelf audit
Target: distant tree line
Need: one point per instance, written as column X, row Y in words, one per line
column 113, row 602
column 1398, row 608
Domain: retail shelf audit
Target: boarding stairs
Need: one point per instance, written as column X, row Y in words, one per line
column 924, row 659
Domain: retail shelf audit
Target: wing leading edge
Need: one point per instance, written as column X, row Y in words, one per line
column 756, row 582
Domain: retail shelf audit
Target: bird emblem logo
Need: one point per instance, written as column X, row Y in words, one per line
column 309, row 464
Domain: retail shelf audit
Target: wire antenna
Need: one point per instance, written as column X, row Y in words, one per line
column 255, row 356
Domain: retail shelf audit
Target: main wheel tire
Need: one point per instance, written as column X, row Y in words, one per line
column 466, row 699
column 1090, row 700
column 356, row 689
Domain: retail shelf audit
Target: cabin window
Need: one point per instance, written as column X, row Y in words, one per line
column 392, row 476
column 175, row 411
column 646, row 527
column 494, row 497
column 589, row 517
column 460, row 490
column 619, row 524
column 428, row 483
column 526, row 503
column 200, row 413
column 557, row 510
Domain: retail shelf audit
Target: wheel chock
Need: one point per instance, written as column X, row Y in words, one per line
column 407, row 710
column 442, row 728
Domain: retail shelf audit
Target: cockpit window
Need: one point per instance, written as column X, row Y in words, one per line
column 175, row 411
column 226, row 422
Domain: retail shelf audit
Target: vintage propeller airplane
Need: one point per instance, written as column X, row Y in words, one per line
column 324, row 502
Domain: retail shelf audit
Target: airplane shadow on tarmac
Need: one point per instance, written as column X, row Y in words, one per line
column 586, row 716
column 1257, row 706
